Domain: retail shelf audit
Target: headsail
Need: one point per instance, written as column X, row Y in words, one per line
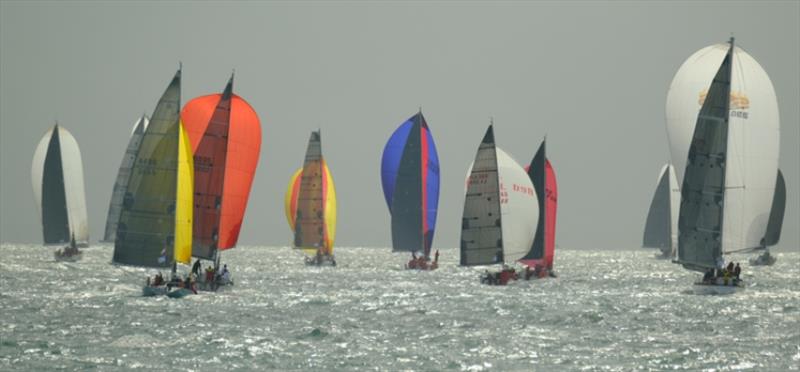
column 543, row 177
column 118, row 193
column 239, row 160
column 703, row 193
column 775, row 225
column 209, row 166
column 155, row 225
column 57, row 176
column 410, row 179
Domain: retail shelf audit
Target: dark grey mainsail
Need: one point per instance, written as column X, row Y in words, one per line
column 407, row 231
column 55, row 222
column 118, row 193
column 657, row 229
column 703, row 190
column 481, row 232
column 309, row 226
column 146, row 230
column 775, row 224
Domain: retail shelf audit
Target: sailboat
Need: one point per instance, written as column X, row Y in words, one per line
column 410, row 179
column 118, row 193
column 729, row 178
column 501, row 211
column 57, row 177
column 774, row 226
column 155, row 223
column 225, row 136
column 661, row 227
column 542, row 252
column 310, row 206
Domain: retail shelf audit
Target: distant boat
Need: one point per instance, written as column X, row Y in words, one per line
column 542, row 252
column 724, row 208
column 661, row 227
column 118, row 193
column 501, row 210
column 775, row 224
column 410, row 179
column 155, row 224
column 753, row 132
column 310, row 206
column 57, row 177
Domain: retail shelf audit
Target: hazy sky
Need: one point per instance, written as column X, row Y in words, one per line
column 592, row 76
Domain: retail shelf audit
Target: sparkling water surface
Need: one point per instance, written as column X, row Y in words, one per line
column 608, row 310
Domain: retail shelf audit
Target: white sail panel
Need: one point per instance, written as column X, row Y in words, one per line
column 674, row 208
column 73, row 186
column 519, row 207
column 37, row 169
column 753, row 138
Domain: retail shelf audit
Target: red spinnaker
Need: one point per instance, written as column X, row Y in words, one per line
column 241, row 157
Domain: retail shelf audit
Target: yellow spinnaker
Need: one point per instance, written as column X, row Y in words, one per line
column 329, row 190
column 183, row 199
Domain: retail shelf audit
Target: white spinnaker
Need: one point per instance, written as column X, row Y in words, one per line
column 519, row 207
column 37, row 169
column 73, row 186
column 753, row 138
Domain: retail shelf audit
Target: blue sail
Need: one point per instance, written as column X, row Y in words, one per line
column 410, row 178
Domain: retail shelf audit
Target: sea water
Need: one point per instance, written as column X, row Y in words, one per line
column 608, row 310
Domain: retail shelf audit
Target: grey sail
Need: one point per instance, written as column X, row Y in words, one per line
column 775, row 224
column 703, row 190
column 118, row 193
column 406, row 208
column 481, row 232
column 55, row 222
column 657, row 229
column 309, row 227
column 146, row 230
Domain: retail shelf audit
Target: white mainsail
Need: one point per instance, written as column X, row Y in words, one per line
column 753, row 138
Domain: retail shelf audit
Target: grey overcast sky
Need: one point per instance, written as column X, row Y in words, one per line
column 592, row 76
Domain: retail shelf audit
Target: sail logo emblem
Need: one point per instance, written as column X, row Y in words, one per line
column 739, row 102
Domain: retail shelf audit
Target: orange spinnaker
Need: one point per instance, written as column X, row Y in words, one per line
column 244, row 146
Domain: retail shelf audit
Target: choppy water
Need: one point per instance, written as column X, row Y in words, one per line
column 609, row 310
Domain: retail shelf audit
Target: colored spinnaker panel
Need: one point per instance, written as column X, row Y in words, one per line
column 146, row 234
column 184, row 199
column 209, row 168
column 57, row 176
column 118, row 193
column 241, row 157
column 753, row 137
column 481, row 230
column 700, row 223
column 775, row 225
column 410, row 179
column 290, row 203
column 551, row 206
